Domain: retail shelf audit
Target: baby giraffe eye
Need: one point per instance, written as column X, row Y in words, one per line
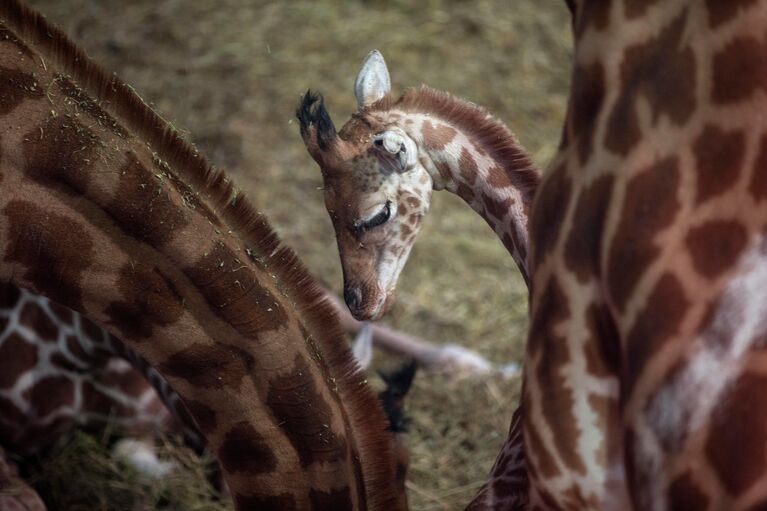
column 379, row 218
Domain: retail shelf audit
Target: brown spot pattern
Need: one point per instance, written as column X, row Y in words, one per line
column 661, row 71
column 34, row 317
column 86, row 104
column 649, row 206
column 498, row 208
column 716, row 245
column 721, row 12
column 718, row 157
column 583, row 247
column 209, row 366
column 602, row 352
column 17, row 356
column 637, row 8
column 304, row 416
column 245, row 450
column 655, row 325
column 549, row 211
column 96, row 401
column 234, row 293
column 51, row 393
column 15, row 87
column 685, row 494
column 59, row 154
column 143, row 207
column 468, row 167
column 739, row 70
column 587, row 97
column 738, row 434
column 149, row 299
column 41, row 242
column 436, row 137
column 62, row 313
column 557, row 408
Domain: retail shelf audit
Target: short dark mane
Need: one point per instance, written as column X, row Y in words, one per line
column 237, row 212
column 493, row 135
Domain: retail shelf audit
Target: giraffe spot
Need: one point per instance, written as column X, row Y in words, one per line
column 739, row 70
column 465, row 192
column 41, row 241
column 86, row 104
column 51, row 393
column 602, row 350
column 662, row 71
column 655, row 325
column 547, row 316
column 17, row 356
column 549, row 212
column 583, row 247
column 544, row 461
column 715, row 246
column 413, row 202
column 649, row 206
column 16, row 87
column 63, row 314
column 333, row 499
column 75, row 350
column 588, row 95
column 594, row 15
column 497, row 177
column 150, row 299
column 97, row 402
column 37, row 320
column 637, row 8
column 9, row 295
column 758, row 185
column 722, row 12
column 59, row 154
column 468, row 167
column 209, row 366
column 498, row 208
column 127, row 381
column 234, row 293
column 11, row 415
column 684, row 493
column 718, row 158
column 304, row 416
column 245, row 450
column 445, row 174
column 3, row 323
column 405, row 232
column 92, row 331
column 282, row 502
column 142, row 206
column 438, row 137
column 738, row 434
column 203, row 415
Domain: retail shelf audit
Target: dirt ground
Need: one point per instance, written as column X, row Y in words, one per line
column 229, row 74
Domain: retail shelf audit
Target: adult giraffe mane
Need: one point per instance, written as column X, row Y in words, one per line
column 117, row 101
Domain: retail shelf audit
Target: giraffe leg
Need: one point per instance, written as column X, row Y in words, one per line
column 15, row 494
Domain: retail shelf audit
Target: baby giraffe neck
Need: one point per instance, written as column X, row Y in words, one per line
column 475, row 156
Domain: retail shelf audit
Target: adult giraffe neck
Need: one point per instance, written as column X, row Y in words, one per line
column 470, row 153
column 104, row 209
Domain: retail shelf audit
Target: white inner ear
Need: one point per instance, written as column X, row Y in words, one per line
column 372, row 82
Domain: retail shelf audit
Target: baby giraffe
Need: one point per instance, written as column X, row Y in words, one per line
column 379, row 172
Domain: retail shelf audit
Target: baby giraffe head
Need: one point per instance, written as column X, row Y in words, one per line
column 376, row 189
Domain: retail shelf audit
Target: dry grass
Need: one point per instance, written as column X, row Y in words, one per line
column 231, row 72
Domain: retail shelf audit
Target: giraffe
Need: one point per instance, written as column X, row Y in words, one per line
column 106, row 211
column 379, row 172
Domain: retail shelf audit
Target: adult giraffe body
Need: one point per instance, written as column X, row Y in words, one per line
column 106, row 211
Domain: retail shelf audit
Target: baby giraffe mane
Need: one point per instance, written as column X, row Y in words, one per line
column 476, row 122
column 118, row 107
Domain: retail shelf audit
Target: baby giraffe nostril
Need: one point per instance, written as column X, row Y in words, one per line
column 353, row 298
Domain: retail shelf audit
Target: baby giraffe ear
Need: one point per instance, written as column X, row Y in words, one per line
column 372, row 81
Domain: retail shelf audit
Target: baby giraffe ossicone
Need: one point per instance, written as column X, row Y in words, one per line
column 379, row 171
